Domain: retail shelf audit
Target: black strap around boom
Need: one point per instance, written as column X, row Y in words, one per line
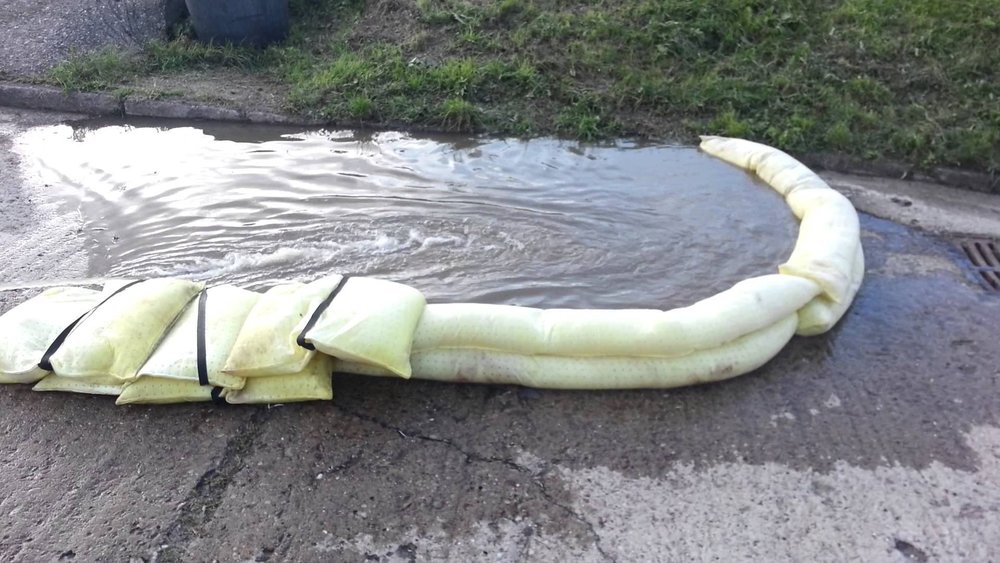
column 45, row 362
column 202, row 349
column 301, row 340
column 201, row 353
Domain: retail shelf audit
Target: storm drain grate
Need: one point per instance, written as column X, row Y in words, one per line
column 985, row 257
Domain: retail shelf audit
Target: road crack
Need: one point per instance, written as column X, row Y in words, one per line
column 199, row 508
column 536, row 476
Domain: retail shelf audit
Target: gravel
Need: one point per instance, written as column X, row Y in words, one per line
column 39, row 34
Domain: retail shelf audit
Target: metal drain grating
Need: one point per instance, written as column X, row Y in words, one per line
column 985, row 257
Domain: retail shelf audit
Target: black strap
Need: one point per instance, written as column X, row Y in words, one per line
column 217, row 396
column 45, row 363
column 202, row 359
column 202, row 349
column 301, row 340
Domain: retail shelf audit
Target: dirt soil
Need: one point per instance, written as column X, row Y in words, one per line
column 223, row 87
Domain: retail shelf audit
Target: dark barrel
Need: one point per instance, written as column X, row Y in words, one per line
column 254, row 22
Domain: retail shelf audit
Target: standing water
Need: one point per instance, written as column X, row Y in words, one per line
column 538, row 223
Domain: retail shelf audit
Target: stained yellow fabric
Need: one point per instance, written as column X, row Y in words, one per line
column 822, row 313
column 27, row 330
column 226, row 309
column 829, row 233
column 117, row 338
column 467, row 365
column 748, row 306
column 370, row 321
column 266, row 342
column 163, row 390
column 311, row 384
column 93, row 384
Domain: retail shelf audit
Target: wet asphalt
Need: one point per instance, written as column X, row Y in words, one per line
column 879, row 441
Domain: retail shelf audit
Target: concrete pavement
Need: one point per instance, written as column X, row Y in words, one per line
column 879, row 441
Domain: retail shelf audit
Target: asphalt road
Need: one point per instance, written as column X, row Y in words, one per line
column 879, row 441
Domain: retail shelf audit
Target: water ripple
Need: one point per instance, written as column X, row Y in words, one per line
column 541, row 222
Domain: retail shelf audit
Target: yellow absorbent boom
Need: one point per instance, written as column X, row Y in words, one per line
column 171, row 340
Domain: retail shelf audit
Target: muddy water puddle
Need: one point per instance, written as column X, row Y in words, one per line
column 539, row 223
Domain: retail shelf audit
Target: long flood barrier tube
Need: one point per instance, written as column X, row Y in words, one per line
column 171, row 340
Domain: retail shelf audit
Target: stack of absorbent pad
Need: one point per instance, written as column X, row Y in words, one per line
column 169, row 340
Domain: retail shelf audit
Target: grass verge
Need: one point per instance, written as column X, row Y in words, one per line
column 909, row 80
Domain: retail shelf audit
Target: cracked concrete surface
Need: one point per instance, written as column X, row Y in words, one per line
column 772, row 512
column 879, row 442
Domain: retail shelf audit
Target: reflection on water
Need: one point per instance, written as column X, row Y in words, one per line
column 541, row 222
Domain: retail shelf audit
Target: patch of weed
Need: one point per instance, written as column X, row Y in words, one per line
column 457, row 114
column 100, row 70
column 911, row 80
column 361, row 107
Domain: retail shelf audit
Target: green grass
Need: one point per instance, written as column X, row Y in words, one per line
column 108, row 69
column 458, row 115
column 397, row 89
column 909, row 80
column 104, row 69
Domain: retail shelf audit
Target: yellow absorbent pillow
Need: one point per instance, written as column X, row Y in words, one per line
column 117, row 337
column 26, row 331
column 149, row 390
column 369, row 321
column 311, row 384
column 266, row 344
column 225, row 309
column 93, row 385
